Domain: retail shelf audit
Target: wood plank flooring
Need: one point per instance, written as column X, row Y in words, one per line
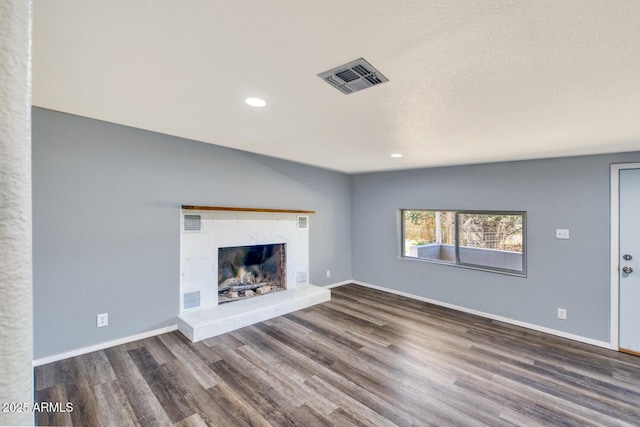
column 367, row 358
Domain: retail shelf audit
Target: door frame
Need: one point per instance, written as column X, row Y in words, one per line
column 614, row 338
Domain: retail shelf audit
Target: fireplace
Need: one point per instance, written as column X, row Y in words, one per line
column 248, row 271
column 252, row 252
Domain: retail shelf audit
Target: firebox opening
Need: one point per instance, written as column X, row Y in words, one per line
column 247, row 271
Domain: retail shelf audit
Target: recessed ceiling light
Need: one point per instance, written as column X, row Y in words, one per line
column 256, row 102
column 396, row 155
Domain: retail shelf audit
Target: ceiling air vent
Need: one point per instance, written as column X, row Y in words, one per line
column 353, row 76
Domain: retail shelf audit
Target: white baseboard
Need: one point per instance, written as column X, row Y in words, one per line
column 334, row 285
column 102, row 346
column 125, row 340
column 532, row 326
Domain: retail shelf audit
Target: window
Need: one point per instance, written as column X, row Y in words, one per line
column 486, row 240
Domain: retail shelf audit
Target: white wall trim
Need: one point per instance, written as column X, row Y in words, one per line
column 615, row 249
column 538, row 328
column 125, row 340
column 335, row 285
column 102, row 346
column 613, row 345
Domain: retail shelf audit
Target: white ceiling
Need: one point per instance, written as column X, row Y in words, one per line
column 470, row 82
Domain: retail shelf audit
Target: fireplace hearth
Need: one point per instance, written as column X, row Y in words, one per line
column 249, row 271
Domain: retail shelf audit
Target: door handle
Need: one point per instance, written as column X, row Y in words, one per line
column 627, row 270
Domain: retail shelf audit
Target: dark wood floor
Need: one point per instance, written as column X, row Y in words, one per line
column 365, row 358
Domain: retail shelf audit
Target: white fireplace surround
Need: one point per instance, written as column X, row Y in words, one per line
column 200, row 316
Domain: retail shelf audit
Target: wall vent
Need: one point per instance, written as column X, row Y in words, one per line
column 191, row 299
column 353, row 76
column 303, row 222
column 192, row 223
column 302, row 277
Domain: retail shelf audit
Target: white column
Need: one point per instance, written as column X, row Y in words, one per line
column 16, row 324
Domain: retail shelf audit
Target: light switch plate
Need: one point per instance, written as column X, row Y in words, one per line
column 562, row 233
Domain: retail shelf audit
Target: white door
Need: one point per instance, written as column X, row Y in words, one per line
column 629, row 262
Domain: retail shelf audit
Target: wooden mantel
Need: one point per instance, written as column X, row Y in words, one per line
column 232, row 209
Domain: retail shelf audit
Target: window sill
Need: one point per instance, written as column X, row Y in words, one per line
column 522, row 274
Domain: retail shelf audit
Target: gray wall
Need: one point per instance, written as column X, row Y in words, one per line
column 568, row 193
column 106, row 201
column 107, row 198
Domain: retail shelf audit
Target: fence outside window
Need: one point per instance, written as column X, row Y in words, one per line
column 493, row 240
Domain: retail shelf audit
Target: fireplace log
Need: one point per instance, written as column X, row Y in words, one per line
column 263, row 290
column 239, row 288
column 228, row 283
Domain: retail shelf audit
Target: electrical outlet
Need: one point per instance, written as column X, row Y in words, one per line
column 562, row 313
column 562, row 233
column 328, row 273
column 102, row 320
